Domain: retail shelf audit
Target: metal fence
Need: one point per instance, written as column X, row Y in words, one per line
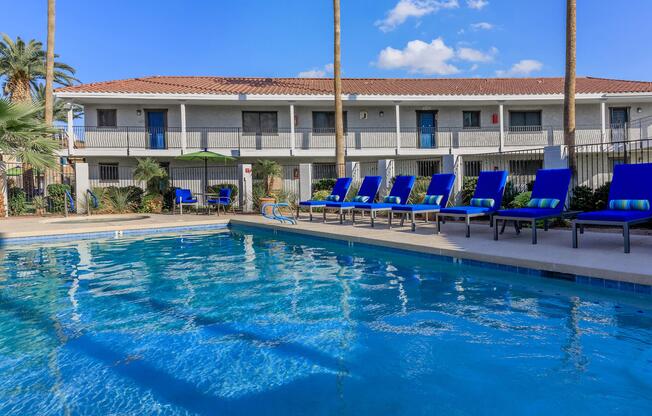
column 417, row 167
column 593, row 164
column 30, row 190
column 521, row 167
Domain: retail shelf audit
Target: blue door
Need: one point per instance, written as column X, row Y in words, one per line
column 427, row 129
column 156, row 129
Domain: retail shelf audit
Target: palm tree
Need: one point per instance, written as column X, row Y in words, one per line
column 49, row 65
column 59, row 107
column 149, row 171
column 569, row 80
column 24, row 136
column 268, row 170
column 23, row 67
column 337, row 80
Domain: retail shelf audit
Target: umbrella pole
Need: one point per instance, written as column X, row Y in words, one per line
column 205, row 175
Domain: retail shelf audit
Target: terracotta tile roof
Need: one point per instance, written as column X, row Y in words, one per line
column 360, row 86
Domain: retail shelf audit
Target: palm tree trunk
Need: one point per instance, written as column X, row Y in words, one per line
column 569, row 80
column 19, row 91
column 337, row 80
column 49, row 65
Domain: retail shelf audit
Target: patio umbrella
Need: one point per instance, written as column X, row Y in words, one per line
column 206, row 155
column 15, row 171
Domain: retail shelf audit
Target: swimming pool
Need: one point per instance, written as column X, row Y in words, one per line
column 248, row 322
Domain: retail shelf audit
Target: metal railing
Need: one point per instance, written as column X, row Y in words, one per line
column 235, row 138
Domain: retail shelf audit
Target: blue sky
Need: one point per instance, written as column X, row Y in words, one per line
column 380, row 38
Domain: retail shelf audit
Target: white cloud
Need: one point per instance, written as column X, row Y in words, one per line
column 420, row 57
column 522, row 68
column 405, row 9
column 474, row 55
column 477, row 4
column 317, row 72
column 482, row 26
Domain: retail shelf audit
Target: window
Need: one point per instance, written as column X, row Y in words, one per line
column 107, row 118
column 472, row 167
column 259, row 122
column 427, row 167
column 525, row 120
column 324, row 121
column 109, row 172
column 471, row 119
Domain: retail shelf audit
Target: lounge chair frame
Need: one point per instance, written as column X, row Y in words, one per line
column 625, row 224
column 466, row 217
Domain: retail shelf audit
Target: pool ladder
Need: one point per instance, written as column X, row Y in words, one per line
column 275, row 212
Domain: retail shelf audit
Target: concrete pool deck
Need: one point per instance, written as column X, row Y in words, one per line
column 23, row 227
column 600, row 254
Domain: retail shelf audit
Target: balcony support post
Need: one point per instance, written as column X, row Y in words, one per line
column 70, row 131
column 184, row 138
column 292, row 128
column 398, row 128
column 501, row 118
column 603, row 120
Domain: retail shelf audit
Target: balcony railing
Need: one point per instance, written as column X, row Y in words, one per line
column 372, row 138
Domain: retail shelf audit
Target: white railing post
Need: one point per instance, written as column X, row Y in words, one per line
column 245, row 185
column 82, row 184
column 305, row 181
column 386, row 172
column 292, row 128
column 70, row 131
column 4, row 192
column 603, row 121
column 501, row 118
column 398, row 129
column 184, row 138
column 555, row 157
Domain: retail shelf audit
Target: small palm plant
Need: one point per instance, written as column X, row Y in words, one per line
column 120, row 200
column 150, row 172
column 268, row 170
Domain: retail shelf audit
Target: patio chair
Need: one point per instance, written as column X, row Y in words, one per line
column 367, row 192
column 338, row 194
column 183, row 197
column 398, row 195
column 436, row 197
column 223, row 200
column 485, row 202
column 630, row 200
column 547, row 202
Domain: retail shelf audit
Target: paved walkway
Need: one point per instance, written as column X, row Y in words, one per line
column 44, row 226
column 600, row 253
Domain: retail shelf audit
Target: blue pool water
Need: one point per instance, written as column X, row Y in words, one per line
column 243, row 322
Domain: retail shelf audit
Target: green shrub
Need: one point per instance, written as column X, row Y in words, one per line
column 57, row 196
column 419, row 190
column 582, row 199
column 152, row 203
column 257, row 192
column 521, row 200
column 289, row 197
column 510, row 193
column 17, row 201
column 120, row 200
column 325, row 184
column 468, row 188
column 135, row 194
column 168, row 198
column 353, row 191
column 320, row 195
column 601, row 195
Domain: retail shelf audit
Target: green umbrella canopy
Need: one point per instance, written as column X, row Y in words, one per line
column 18, row 171
column 206, row 155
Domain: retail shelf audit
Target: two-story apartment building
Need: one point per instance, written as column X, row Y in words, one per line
column 292, row 120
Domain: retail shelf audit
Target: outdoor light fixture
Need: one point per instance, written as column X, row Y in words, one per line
column 639, row 110
column 139, row 112
column 381, row 114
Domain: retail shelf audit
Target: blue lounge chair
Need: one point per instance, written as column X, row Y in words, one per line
column 436, row 197
column 486, row 200
column 398, row 195
column 338, row 194
column 630, row 201
column 367, row 193
column 183, row 197
column 547, row 202
column 223, row 200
